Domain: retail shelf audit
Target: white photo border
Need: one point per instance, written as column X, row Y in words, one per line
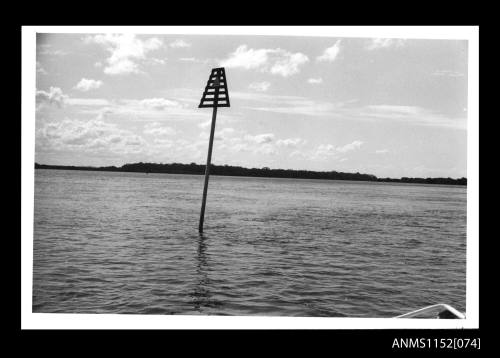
column 30, row 320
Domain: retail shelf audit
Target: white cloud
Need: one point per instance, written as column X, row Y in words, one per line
column 229, row 140
column 89, row 136
column 326, row 151
column 125, row 50
column 382, row 151
column 331, row 53
column 412, row 115
column 179, row 44
column 349, row 147
column 266, row 149
column 274, row 61
column 291, row 104
column 158, row 61
column 163, row 142
column 39, row 68
column 260, row 86
column 157, row 109
column 88, row 84
column 226, row 131
column 300, row 106
column 54, row 96
column 246, row 58
column 46, row 49
column 299, row 154
column 290, row 142
column 288, row 64
column 195, row 60
column 262, row 97
column 159, row 103
column 315, row 81
column 260, row 138
column 295, row 105
column 223, row 133
column 205, row 124
column 156, row 129
column 88, row 102
column 104, row 113
column 377, row 43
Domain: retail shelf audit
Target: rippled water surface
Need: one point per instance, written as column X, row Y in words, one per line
column 129, row 243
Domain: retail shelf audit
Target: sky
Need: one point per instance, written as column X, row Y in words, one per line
column 388, row 107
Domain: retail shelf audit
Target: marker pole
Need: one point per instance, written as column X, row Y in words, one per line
column 207, row 169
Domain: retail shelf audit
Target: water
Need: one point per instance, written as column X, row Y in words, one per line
column 129, row 243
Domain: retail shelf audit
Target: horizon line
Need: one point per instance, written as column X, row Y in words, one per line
column 261, row 168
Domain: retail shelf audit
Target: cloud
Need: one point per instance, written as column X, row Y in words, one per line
column 259, row 86
column 159, row 103
column 195, row 60
column 89, row 136
column 381, row 151
column 88, row 102
column 157, row 109
column 229, row 140
column 104, row 113
column 39, row 68
column 349, row 147
column 158, row 61
column 331, row 53
column 260, row 138
column 378, row 43
column 246, row 58
column 288, row 64
column 274, row 61
column 179, row 44
column 262, row 97
column 290, row 142
column 290, row 104
column 125, row 50
column 54, row 96
column 156, row 129
column 298, row 106
column 46, row 49
column 88, row 84
column 326, row 151
column 256, row 144
column 315, row 81
column 223, row 133
column 295, row 105
column 163, row 142
column 260, row 144
column 226, row 131
column 205, row 124
column 412, row 115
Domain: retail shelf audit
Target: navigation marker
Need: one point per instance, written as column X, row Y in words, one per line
column 215, row 95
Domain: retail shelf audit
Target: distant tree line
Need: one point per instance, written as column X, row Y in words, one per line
column 193, row 168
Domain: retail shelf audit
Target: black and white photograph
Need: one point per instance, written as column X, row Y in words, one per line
column 323, row 174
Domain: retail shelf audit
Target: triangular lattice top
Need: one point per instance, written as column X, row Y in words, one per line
column 215, row 94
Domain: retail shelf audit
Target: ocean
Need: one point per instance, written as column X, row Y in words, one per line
column 110, row 242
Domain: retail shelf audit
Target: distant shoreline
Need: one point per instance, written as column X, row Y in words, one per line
column 227, row 170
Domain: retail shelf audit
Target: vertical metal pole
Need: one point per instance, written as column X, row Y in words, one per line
column 209, row 158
